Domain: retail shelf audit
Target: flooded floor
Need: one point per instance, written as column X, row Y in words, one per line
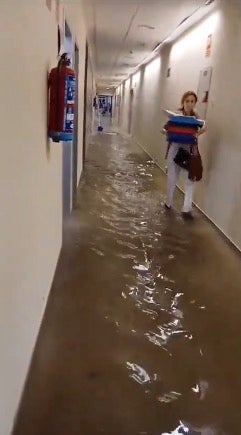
column 142, row 332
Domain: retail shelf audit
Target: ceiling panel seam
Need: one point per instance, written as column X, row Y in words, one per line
column 125, row 37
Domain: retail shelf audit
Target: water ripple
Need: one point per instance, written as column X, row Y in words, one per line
column 152, row 299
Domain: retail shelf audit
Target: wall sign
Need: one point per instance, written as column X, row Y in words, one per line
column 208, row 46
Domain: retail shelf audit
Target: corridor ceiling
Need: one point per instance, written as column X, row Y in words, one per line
column 122, row 33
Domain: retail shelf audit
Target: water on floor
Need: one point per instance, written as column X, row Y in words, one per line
column 142, row 331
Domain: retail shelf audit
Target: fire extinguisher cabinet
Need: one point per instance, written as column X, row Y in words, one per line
column 62, row 84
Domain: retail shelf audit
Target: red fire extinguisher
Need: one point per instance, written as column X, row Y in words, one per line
column 61, row 101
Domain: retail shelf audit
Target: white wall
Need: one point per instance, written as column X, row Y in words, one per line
column 30, row 184
column 75, row 19
column 30, row 190
column 125, row 103
column 218, row 195
column 101, row 90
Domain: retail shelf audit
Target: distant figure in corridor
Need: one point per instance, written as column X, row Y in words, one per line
column 179, row 151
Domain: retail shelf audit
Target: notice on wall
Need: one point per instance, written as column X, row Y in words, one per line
column 208, row 46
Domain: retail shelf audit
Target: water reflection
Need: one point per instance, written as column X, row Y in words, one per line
column 186, row 428
column 139, row 374
column 169, row 397
column 201, row 389
column 153, row 306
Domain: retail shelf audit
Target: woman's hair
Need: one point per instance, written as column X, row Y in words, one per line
column 185, row 95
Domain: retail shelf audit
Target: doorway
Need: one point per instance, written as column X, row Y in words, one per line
column 76, row 123
column 105, row 105
column 85, row 103
column 130, row 111
column 203, row 91
column 70, row 148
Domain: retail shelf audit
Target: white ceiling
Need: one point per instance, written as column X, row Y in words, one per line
column 122, row 33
